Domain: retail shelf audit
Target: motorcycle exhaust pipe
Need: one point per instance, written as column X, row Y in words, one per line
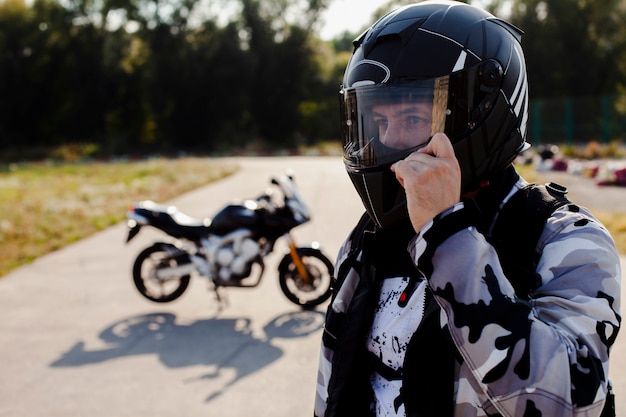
column 175, row 271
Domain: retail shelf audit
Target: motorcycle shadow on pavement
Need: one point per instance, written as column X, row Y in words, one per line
column 225, row 345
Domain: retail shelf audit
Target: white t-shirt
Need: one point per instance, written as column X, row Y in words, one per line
column 389, row 336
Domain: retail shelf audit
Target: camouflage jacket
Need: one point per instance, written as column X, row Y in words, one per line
column 480, row 350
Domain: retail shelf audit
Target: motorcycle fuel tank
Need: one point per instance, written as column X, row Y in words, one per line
column 234, row 216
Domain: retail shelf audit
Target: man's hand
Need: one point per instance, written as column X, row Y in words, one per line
column 431, row 178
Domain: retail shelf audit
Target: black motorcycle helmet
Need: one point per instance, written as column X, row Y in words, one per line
column 458, row 61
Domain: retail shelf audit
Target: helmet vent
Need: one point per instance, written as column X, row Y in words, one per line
column 403, row 29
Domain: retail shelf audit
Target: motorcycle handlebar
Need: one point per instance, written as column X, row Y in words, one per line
column 291, row 195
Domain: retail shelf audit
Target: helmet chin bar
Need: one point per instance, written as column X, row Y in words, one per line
column 382, row 195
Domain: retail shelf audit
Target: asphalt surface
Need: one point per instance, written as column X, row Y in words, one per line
column 76, row 339
column 584, row 191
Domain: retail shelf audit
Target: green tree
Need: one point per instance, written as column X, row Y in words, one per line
column 18, row 38
column 285, row 72
column 157, row 75
column 51, row 75
column 573, row 48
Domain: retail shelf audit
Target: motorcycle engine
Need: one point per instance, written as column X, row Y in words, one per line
column 234, row 260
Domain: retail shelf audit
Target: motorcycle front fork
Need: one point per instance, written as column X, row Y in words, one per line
column 297, row 260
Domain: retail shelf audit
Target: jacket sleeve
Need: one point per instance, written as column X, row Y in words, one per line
column 336, row 310
column 549, row 355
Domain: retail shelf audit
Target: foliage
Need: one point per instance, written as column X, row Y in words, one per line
column 44, row 207
column 573, row 48
column 145, row 76
column 594, row 150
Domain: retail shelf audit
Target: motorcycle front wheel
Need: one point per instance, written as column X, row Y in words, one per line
column 300, row 290
column 145, row 268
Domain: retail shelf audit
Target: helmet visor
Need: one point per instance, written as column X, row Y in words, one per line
column 384, row 123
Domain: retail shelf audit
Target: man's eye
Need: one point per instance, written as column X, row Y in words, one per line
column 381, row 122
column 416, row 120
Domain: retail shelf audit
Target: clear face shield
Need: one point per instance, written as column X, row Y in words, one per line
column 385, row 123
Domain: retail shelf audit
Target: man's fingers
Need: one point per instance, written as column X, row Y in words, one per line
column 431, row 177
column 426, row 164
column 439, row 146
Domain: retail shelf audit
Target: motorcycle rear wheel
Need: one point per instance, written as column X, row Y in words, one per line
column 145, row 267
column 296, row 288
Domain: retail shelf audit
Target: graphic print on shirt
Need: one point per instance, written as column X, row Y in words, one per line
column 391, row 331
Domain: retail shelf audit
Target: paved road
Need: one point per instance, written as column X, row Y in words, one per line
column 583, row 190
column 76, row 339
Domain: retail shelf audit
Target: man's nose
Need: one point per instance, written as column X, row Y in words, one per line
column 393, row 136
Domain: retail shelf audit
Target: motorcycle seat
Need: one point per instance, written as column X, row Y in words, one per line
column 188, row 221
column 173, row 221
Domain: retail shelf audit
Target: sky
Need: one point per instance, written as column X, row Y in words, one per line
column 350, row 15
column 353, row 15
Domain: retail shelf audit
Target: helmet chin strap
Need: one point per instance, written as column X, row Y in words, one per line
column 473, row 193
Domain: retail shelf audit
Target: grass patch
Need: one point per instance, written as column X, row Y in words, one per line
column 44, row 207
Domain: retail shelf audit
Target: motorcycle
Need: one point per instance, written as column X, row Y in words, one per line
column 230, row 247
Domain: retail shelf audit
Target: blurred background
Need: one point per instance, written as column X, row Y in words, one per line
column 108, row 102
column 102, row 78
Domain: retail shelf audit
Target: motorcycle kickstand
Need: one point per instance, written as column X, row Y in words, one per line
column 222, row 299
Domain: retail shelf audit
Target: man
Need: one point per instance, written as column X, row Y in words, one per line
column 439, row 308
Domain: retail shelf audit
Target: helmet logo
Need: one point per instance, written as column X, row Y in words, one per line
column 368, row 72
